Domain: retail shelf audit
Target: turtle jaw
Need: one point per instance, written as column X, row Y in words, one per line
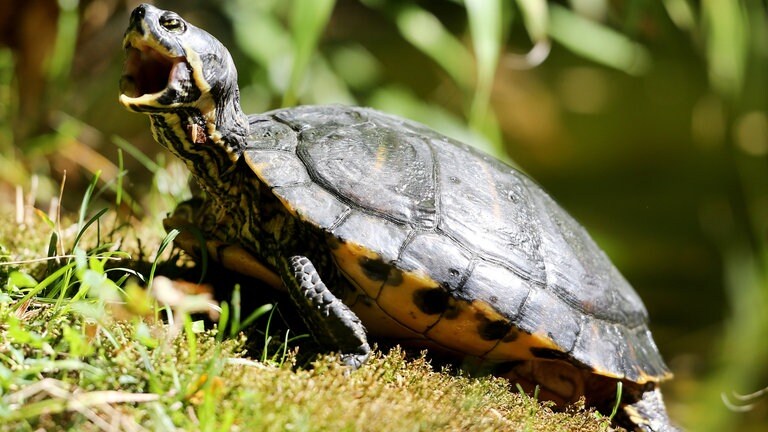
column 149, row 74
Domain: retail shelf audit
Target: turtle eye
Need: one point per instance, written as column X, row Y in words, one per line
column 172, row 23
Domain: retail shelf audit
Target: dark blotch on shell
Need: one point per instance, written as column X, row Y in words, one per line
column 375, row 269
column 493, row 330
column 431, row 301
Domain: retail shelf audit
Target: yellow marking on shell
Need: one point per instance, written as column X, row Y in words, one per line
column 347, row 256
column 519, row 347
column 460, row 331
column 390, row 311
column 460, row 328
column 489, row 312
column 644, row 378
column 257, row 168
column 381, row 158
column 398, row 301
column 394, row 301
column 379, row 323
column 517, row 344
column 602, row 371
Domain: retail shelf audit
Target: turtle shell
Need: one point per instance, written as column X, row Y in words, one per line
column 450, row 246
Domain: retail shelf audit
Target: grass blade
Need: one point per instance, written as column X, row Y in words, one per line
column 263, row 309
column 619, row 388
column 120, row 173
column 308, row 20
column 137, row 154
column 597, row 42
column 87, row 199
column 536, row 18
column 236, row 307
column 727, row 44
column 424, row 31
column 167, row 241
column 60, row 61
column 53, row 277
column 84, row 228
column 485, row 23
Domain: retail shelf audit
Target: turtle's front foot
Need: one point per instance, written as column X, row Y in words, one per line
column 331, row 322
column 355, row 360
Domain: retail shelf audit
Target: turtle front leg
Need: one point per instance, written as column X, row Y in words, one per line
column 187, row 219
column 331, row 322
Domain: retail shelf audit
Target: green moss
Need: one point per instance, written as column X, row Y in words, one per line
column 63, row 371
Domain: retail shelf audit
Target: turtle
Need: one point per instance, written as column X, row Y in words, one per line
column 379, row 226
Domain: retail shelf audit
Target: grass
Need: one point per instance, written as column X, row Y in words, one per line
column 278, row 41
column 61, row 372
column 84, row 346
column 95, row 376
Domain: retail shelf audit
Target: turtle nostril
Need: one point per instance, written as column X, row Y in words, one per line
column 138, row 13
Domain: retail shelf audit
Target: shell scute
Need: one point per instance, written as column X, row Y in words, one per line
column 544, row 313
column 311, row 203
column 267, row 134
column 497, row 286
column 277, row 168
column 437, row 255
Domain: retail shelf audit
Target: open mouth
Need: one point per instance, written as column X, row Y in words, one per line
column 148, row 71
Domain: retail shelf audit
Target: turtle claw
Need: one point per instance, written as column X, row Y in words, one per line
column 331, row 322
column 354, row 361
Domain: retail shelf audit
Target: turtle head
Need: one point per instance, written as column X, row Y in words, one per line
column 174, row 68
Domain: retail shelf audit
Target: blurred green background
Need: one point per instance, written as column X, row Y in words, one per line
column 646, row 119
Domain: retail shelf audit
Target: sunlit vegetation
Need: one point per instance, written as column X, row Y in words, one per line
column 648, row 121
